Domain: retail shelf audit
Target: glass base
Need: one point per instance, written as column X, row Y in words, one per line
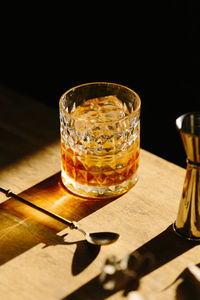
column 95, row 192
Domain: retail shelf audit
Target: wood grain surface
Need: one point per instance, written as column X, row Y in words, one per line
column 40, row 258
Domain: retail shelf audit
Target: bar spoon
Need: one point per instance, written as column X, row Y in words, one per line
column 96, row 238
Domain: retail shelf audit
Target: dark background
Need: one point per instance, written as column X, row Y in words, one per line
column 151, row 48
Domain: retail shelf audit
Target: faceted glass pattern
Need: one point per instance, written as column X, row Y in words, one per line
column 100, row 142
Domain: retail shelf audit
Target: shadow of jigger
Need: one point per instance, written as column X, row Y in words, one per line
column 187, row 223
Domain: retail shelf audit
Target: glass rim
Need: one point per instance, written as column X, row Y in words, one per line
column 135, row 110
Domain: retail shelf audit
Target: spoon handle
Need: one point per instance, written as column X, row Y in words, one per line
column 8, row 193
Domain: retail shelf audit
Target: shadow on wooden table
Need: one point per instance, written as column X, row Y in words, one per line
column 22, row 227
column 164, row 247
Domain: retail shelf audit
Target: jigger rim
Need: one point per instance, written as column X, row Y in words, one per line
column 189, row 126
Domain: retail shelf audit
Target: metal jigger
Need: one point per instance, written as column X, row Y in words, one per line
column 187, row 223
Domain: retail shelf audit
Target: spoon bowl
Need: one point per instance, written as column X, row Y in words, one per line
column 101, row 238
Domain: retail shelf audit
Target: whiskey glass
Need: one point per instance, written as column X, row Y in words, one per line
column 100, row 139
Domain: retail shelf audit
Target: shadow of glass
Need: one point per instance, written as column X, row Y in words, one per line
column 51, row 195
column 164, row 247
column 18, row 235
column 22, row 227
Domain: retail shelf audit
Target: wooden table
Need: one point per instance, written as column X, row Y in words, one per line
column 41, row 258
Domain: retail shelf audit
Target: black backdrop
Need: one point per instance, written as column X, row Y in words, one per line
column 152, row 48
